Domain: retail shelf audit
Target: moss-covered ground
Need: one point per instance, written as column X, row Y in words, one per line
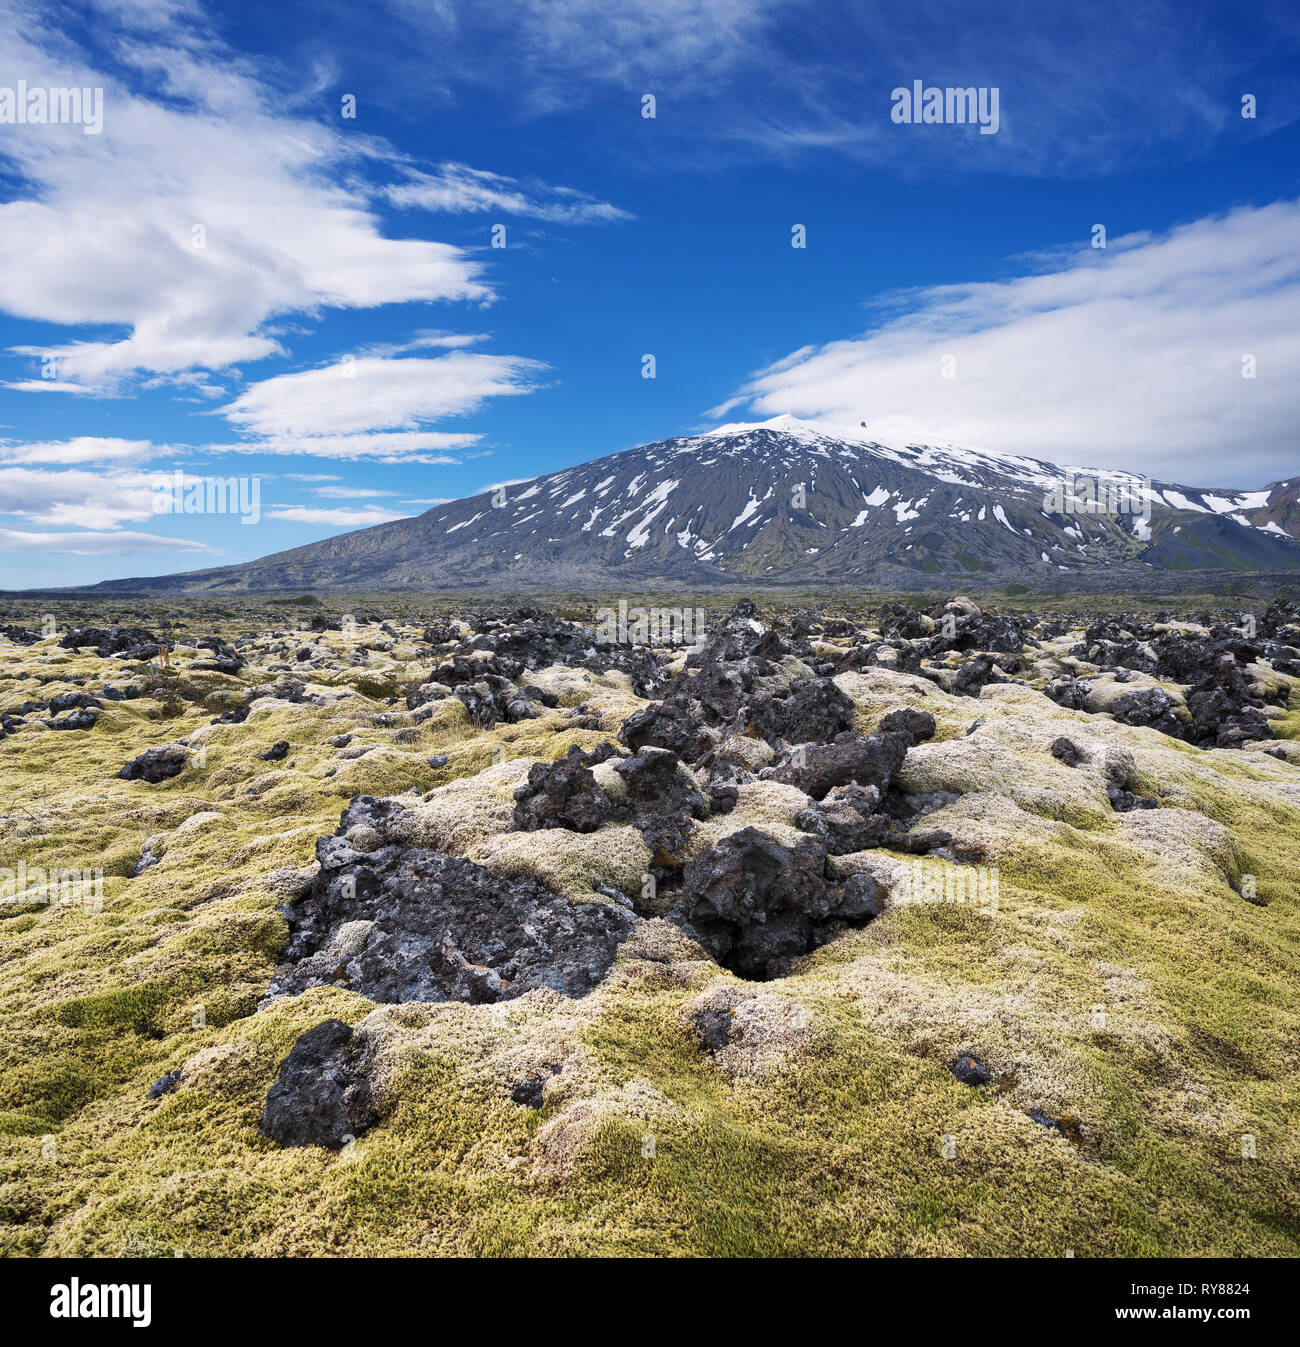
column 1123, row 986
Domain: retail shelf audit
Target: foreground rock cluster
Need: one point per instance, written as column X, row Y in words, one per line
column 397, row 921
column 491, row 897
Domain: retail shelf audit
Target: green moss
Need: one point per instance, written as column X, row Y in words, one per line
column 122, row 1007
column 859, row 1141
column 22, row 1124
column 1288, row 726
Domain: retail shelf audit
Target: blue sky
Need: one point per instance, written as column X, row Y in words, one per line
column 348, row 336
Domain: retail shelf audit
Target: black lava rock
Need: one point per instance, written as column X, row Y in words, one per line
column 442, row 928
column 1123, row 800
column 869, row 760
column 164, row 1084
column 1066, row 751
column 323, row 1096
column 756, row 905
column 561, row 794
column 157, row 764
column 970, row 1072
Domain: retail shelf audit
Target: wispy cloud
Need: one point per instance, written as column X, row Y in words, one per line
column 779, row 79
column 338, row 518
column 548, row 54
column 424, row 341
column 91, row 544
column 436, row 447
column 1132, row 357
column 352, row 492
column 460, row 189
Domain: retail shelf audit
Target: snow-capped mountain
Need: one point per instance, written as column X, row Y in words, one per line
column 795, row 501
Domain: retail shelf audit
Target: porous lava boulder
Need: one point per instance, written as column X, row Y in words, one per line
column 814, row 709
column 165, row 1084
column 1066, row 751
column 917, row 725
column 1071, row 693
column 561, row 794
column 1225, row 710
column 78, row 720
column 901, row 623
column 452, row 672
column 134, row 643
column 1001, row 634
column 532, row 639
column 732, row 685
column 157, row 764
column 974, row 675
column 756, row 905
column 868, row 760
column 494, row 698
column 1148, row 706
column 323, row 1096
column 670, row 724
column 1121, row 800
column 20, row 635
column 741, row 635
column 661, row 799
column 225, row 658
column 73, row 701
column 857, row 818
column 405, row 923
column 848, row 820
column 656, row 795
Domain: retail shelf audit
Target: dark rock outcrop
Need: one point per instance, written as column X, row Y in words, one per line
column 867, row 760
column 406, row 923
column 756, row 905
column 133, row 643
column 157, row 764
column 323, row 1096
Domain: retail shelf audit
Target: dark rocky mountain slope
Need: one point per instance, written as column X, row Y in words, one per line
column 791, row 502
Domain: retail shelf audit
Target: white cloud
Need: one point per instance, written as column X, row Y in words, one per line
column 372, row 394
column 548, row 52
column 411, row 446
column 460, row 189
column 1128, row 357
column 102, row 232
column 352, row 492
column 83, row 449
column 339, row 518
column 95, row 544
column 78, row 498
column 424, row 341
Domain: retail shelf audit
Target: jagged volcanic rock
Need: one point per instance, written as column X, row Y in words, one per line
column 157, row 764
column 323, row 1095
column 406, row 923
column 755, row 905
